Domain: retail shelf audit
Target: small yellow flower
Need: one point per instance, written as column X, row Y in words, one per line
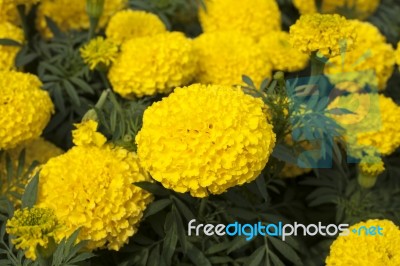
column 8, row 53
column 86, row 134
column 128, row 24
column 325, row 34
column 370, row 168
column 99, row 52
column 253, row 18
column 204, row 139
column 361, row 248
column 33, row 227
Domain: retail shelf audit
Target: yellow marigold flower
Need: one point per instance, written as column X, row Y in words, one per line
column 305, row 6
column 99, row 52
column 252, row 17
column 38, row 150
column 74, row 17
column 373, row 124
column 374, row 242
column 218, row 137
column 86, row 134
column 324, row 34
column 91, row 188
column 398, row 54
column 8, row 12
column 8, row 53
column 225, row 56
column 277, row 48
column 33, row 227
column 128, row 24
column 370, row 62
column 156, row 64
column 360, row 9
column 25, row 2
column 25, row 108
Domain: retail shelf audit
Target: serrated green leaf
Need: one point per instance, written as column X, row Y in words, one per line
column 286, row 250
column 256, row 257
column 196, row 256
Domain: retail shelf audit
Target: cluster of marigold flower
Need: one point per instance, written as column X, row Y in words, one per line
column 202, row 138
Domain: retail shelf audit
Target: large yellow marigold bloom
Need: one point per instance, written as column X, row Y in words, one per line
column 32, row 228
column 371, row 62
column 154, row 64
column 205, row 139
column 71, row 14
column 91, row 188
column 276, row 47
column 360, row 9
column 25, row 108
column 128, row 24
column 8, row 53
column 38, row 150
column 252, row 17
column 362, row 249
column 225, row 56
column 373, row 124
column 324, row 34
column 99, row 52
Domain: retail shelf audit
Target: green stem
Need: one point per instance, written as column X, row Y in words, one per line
column 93, row 26
column 317, row 65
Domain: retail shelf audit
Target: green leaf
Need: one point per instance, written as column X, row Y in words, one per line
column 170, row 240
column 153, row 188
column 196, row 256
column 9, row 42
column 71, row 91
column 180, row 227
column 286, row 250
column 256, row 257
column 156, row 207
column 30, row 194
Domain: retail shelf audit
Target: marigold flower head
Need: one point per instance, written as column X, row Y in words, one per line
column 325, row 34
column 373, row 122
column 361, row 248
column 91, row 188
column 360, row 9
column 128, row 24
column 224, row 57
column 398, row 54
column 205, row 139
column 8, row 12
column 25, row 108
column 86, row 134
column 33, row 227
column 74, row 17
column 277, row 48
column 371, row 62
column 99, row 52
column 156, row 64
column 8, row 53
column 38, row 150
column 252, row 17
